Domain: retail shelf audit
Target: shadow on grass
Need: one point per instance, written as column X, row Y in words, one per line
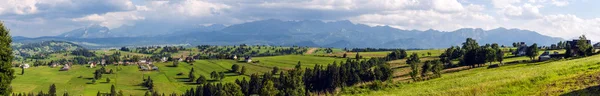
column 399, row 67
column 143, row 89
column 590, row 91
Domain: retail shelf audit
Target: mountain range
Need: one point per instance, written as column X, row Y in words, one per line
column 339, row 34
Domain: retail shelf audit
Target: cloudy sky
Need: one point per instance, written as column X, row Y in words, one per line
column 557, row 18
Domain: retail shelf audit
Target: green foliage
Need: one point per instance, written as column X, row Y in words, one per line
column 243, row 71
column 532, row 51
column 275, row 70
column 268, row 89
column 113, row 91
column 398, row 54
column 52, row 90
column 235, row 68
column 413, row 61
column 585, row 48
column 6, row 58
column 201, row 80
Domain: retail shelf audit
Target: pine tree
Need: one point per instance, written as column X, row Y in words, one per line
column 201, row 80
column 113, row 91
column 52, row 90
column 269, row 89
column 6, row 58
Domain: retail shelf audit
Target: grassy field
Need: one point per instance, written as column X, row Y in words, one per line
column 422, row 53
column 166, row 79
column 127, row 78
column 515, row 79
column 289, row 61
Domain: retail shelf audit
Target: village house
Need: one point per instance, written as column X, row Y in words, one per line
column 66, row 67
column 248, row 59
column 545, row 56
column 574, row 47
column 521, row 49
column 164, row 59
column 189, row 59
column 25, row 66
column 235, row 57
column 103, row 62
column 55, row 64
column 92, row 64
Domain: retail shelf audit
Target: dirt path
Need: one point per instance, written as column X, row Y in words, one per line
column 311, row 50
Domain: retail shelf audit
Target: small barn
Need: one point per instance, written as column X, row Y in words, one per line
column 248, row 59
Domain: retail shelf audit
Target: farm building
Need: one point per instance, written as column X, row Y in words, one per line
column 248, row 59
column 25, row 66
column 65, row 67
column 521, row 50
column 545, row 56
column 164, row 59
column 574, row 47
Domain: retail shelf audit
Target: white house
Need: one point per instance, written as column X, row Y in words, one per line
column 248, row 59
column 164, row 59
column 25, row 66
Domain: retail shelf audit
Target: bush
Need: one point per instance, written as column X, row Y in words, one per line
column 377, row 85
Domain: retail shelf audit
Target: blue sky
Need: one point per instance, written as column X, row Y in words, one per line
column 557, row 18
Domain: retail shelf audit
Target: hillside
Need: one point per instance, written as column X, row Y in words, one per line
column 40, row 49
column 339, row 34
column 541, row 78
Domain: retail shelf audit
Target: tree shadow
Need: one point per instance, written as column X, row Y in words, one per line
column 400, row 67
column 590, row 91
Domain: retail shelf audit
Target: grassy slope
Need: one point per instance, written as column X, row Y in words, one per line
column 39, row 78
column 519, row 79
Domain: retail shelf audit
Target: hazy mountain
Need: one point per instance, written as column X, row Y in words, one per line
column 302, row 33
column 147, row 30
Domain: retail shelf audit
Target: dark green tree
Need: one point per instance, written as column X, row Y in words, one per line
column 268, row 89
column 275, row 70
column 6, row 58
column 113, row 91
column 22, row 70
column 585, row 48
column 243, row 70
column 235, row 68
column 413, row 61
column 52, row 90
column 201, row 80
column 532, row 51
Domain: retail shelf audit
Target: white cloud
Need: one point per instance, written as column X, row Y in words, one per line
column 504, row 3
column 567, row 26
column 112, row 19
column 157, row 10
column 527, row 11
column 560, row 2
column 447, row 5
column 19, row 7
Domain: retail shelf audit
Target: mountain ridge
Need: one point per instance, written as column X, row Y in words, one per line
column 312, row 33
